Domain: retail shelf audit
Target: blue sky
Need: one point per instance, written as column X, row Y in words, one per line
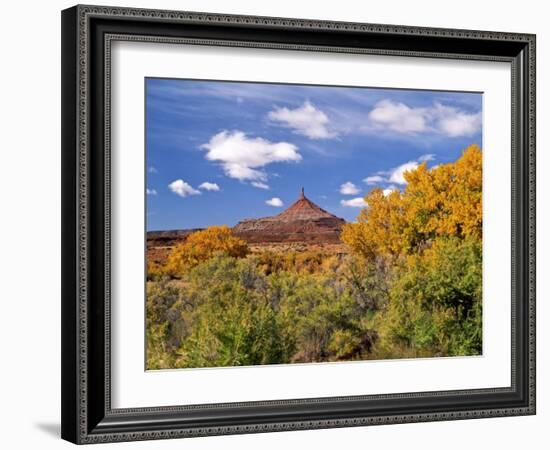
column 218, row 152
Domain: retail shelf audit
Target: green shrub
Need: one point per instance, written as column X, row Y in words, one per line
column 229, row 311
column 435, row 303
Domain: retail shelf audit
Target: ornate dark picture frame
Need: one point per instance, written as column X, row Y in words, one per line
column 87, row 34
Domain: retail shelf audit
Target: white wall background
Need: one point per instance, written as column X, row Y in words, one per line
column 30, row 223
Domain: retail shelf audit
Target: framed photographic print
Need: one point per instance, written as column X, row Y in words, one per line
column 281, row 224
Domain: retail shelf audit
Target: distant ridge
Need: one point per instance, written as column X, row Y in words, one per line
column 303, row 221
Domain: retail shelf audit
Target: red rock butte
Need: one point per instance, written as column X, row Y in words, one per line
column 303, row 221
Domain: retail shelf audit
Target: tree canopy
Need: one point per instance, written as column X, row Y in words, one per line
column 203, row 245
column 444, row 201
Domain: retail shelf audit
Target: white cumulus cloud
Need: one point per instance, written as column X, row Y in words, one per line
column 275, row 201
column 207, row 186
column 398, row 117
column 306, row 120
column 427, row 157
column 397, row 174
column 358, row 202
column 453, row 122
column 435, row 119
column 151, row 191
column 243, row 157
column 182, row 188
column 260, row 185
column 348, row 188
column 374, row 179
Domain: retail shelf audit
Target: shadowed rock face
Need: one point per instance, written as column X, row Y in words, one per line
column 302, row 222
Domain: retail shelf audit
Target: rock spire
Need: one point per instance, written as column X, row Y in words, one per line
column 302, row 221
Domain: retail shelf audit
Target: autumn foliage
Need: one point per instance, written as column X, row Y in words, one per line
column 410, row 286
column 429, row 239
column 444, row 201
column 203, row 245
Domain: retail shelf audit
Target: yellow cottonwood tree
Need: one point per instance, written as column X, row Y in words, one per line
column 445, row 201
column 202, row 245
column 380, row 227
